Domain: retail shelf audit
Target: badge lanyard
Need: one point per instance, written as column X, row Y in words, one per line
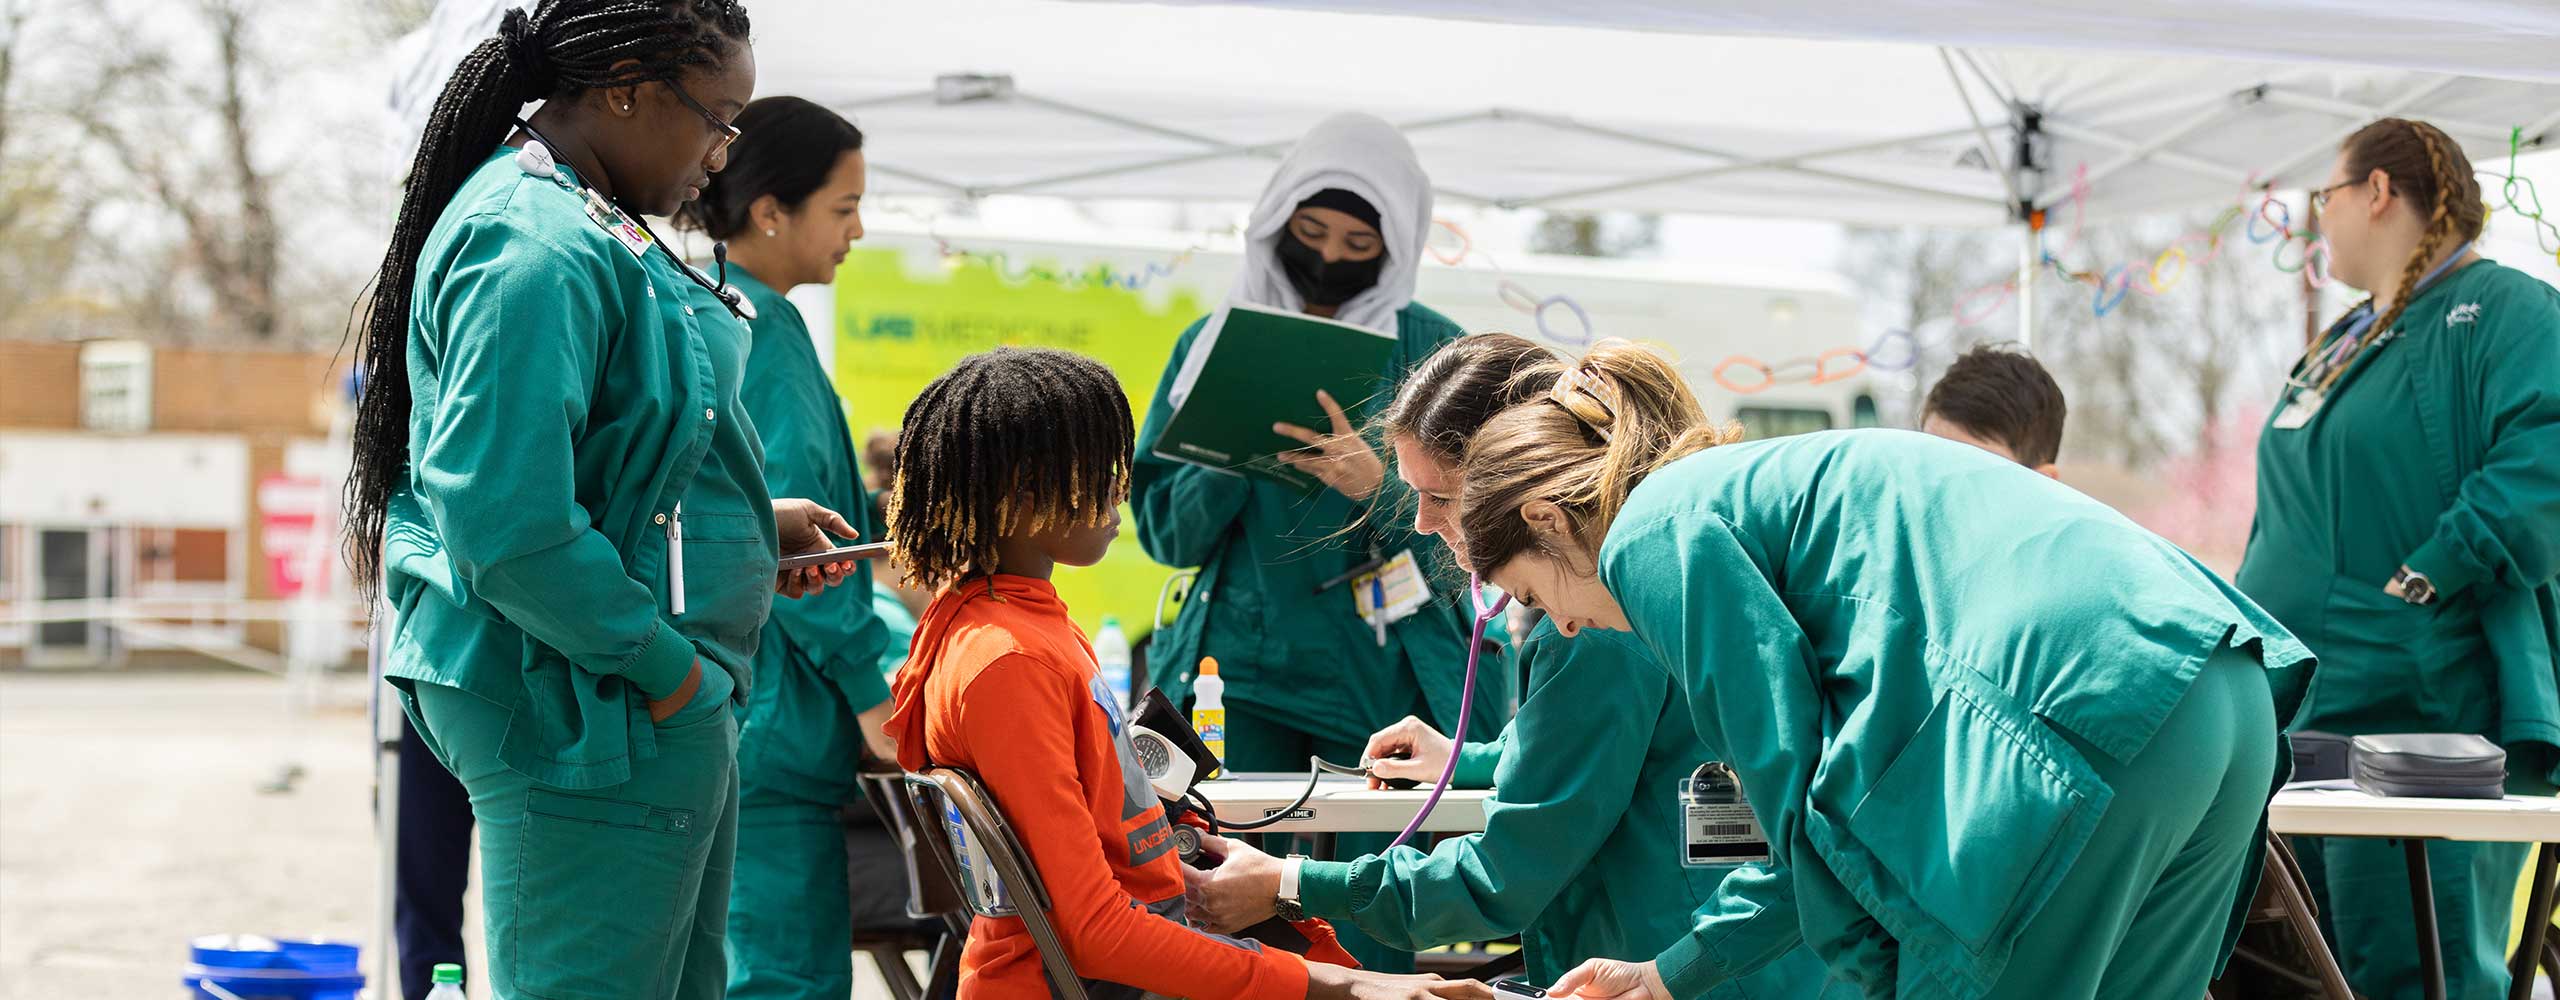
column 627, row 228
column 2304, row 393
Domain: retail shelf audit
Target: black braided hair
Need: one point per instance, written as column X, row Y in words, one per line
column 1013, row 441
column 562, row 49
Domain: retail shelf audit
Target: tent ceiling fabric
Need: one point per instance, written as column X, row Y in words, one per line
column 1196, row 103
column 1114, row 100
column 2515, row 39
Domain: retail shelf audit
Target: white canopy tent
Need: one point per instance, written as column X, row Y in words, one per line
column 2515, row 39
column 1088, row 100
column 1114, row 100
column 1095, row 100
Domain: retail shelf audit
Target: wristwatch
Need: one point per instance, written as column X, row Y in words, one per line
column 2415, row 588
column 1287, row 906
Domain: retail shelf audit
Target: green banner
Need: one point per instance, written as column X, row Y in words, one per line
column 896, row 330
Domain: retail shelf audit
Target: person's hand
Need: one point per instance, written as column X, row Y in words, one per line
column 1333, row 982
column 875, row 730
column 1609, row 979
column 1243, row 890
column 1410, row 749
column 1342, row 459
column 803, row 526
column 662, row 709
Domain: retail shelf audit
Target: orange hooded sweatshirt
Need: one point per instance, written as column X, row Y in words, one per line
column 1001, row 683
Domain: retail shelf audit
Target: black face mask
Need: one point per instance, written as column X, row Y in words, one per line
column 1321, row 283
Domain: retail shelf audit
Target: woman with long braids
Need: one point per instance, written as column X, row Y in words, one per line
column 561, row 497
column 2408, row 530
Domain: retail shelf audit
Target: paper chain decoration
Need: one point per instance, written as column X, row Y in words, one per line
column 1561, row 319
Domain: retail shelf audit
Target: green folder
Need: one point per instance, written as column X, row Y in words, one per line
column 1251, row 367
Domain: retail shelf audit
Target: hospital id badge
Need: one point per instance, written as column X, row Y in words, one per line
column 1390, row 593
column 1717, row 827
column 617, row 225
column 2298, row 410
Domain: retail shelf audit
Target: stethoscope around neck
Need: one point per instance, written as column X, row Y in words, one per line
column 536, row 159
column 2359, row 321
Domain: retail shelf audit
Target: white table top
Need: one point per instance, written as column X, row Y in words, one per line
column 2343, row 813
column 1341, row 805
column 1346, row 805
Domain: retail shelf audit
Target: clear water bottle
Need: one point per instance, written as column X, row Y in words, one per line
column 1111, row 651
column 448, row 983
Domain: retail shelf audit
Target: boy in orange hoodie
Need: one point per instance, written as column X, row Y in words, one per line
column 1014, row 462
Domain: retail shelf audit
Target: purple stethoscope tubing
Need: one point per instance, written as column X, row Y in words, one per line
column 1466, row 704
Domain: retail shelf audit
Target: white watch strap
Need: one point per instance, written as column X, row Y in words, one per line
column 1289, row 878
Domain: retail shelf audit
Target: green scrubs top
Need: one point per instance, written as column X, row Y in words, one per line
column 1263, row 548
column 819, row 663
column 1585, row 837
column 2439, row 448
column 1881, row 631
column 573, row 405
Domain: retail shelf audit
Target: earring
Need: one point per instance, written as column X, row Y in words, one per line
column 626, row 107
column 768, row 232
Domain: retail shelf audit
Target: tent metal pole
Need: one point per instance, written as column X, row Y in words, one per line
column 884, row 100
column 1212, row 148
column 2030, row 251
column 1732, row 158
column 2361, row 113
column 2316, row 151
column 1988, row 84
column 1981, row 132
column 2188, row 162
column 1789, row 161
column 2156, row 144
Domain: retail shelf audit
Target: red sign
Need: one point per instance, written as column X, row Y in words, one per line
column 292, row 533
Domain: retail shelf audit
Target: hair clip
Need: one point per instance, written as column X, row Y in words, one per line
column 1589, row 397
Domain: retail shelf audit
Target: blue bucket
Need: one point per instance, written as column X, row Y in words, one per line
column 249, row 967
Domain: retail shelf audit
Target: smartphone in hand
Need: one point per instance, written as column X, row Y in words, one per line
column 829, row 557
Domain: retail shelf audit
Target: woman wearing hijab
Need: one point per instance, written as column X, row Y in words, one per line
column 1337, row 233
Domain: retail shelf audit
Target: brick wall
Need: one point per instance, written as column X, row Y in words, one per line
column 39, row 385
column 199, row 390
column 192, row 389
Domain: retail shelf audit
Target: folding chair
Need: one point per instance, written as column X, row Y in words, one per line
column 2281, row 945
column 955, row 797
column 930, row 895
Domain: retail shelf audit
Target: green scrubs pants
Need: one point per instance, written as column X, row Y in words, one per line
column 606, row 893
column 2362, row 887
column 790, row 915
column 1261, row 740
column 2145, row 909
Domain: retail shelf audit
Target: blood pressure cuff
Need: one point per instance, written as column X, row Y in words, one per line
column 1311, row 939
column 2429, row 765
column 1156, row 713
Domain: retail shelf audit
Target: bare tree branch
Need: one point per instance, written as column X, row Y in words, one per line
column 13, row 30
column 227, row 213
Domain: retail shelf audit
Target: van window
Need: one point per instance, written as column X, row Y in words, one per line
column 1761, row 422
